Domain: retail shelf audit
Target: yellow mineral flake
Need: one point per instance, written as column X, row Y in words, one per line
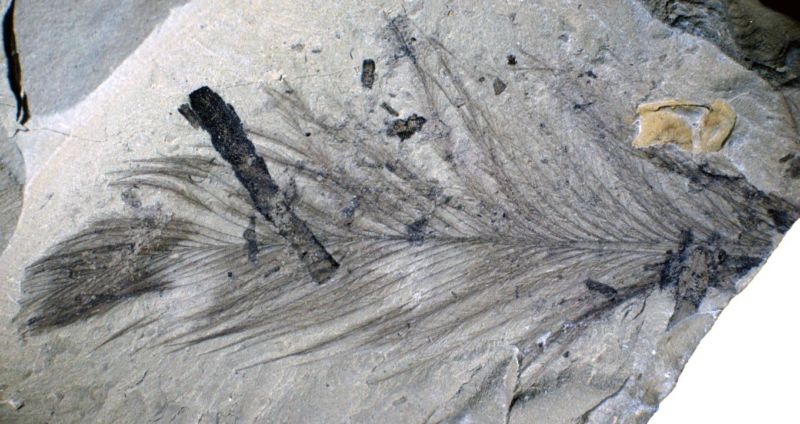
column 716, row 125
column 659, row 124
column 661, row 127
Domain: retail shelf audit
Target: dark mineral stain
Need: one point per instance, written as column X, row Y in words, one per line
column 368, row 73
column 250, row 238
column 693, row 282
column 405, row 128
column 350, row 210
column 271, row 271
column 695, row 266
column 230, row 140
column 604, row 289
column 793, row 167
column 130, row 198
column 499, row 86
column 781, row 219
column 416, row 231
column 14, row 67
column 671, row 268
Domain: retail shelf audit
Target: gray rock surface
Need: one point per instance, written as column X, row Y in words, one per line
column 12, row 178
column 760, row 38
column 68, row 49
column 12, row 166
column 504, row 255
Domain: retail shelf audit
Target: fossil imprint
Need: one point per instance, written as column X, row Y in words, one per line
column 435, row 228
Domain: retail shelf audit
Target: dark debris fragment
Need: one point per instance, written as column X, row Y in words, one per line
column 186, row 111
column 499, row 86
column 602, row 288
column 793, row 165
column 228, row 137
column 368, row 73
column 416, row 231
column 251, row 241
column 389, row 109
column 405, row 128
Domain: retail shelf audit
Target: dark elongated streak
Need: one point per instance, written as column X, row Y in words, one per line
column 14, row 66
column 368, row 73
column 228, row 138
column 604, row 289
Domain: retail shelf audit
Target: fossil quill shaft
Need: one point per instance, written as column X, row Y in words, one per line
column 229, row 139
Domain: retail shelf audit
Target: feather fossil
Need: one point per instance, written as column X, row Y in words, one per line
column 229, row 139
column 431, row 254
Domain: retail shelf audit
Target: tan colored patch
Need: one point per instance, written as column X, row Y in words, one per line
column 716, row 126
column 658, row 126
column 661, row 127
